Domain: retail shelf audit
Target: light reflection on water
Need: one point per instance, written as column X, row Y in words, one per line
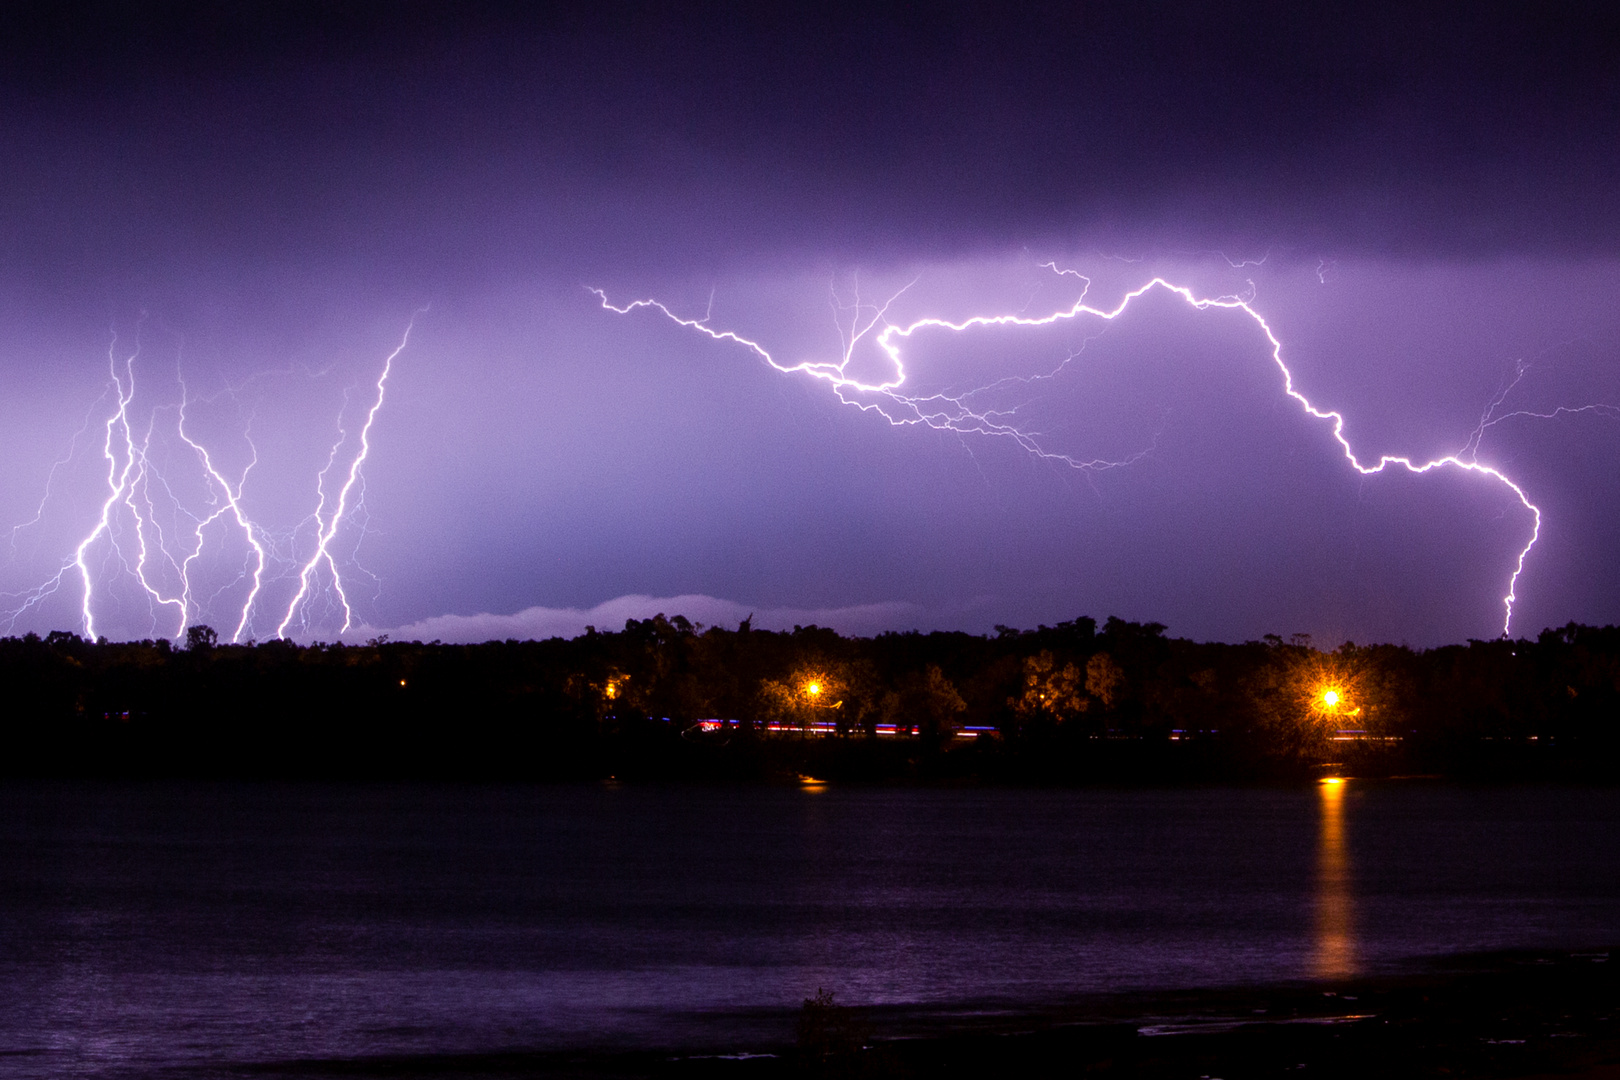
column 1335, row 953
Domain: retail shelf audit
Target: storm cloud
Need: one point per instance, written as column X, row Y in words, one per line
column 1420, row 201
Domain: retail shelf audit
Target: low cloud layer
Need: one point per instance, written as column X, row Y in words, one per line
column 545, row 622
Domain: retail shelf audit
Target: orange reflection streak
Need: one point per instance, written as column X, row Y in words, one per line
column 1335, row 953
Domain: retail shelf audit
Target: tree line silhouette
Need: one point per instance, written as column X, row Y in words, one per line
column 664, row 698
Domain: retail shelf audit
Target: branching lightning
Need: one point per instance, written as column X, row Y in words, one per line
column 1490, row 417
column 127, row 539
column 232, row 504
column 890, row 398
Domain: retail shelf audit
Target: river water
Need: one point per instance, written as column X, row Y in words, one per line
column 211, row 926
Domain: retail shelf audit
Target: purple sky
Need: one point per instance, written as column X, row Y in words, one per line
column 1422, row 207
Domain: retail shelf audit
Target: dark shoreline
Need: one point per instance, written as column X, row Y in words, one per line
column 665, row 699
column 1508, row 1014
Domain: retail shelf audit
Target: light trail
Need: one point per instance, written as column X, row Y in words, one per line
column 955, row 411
column 127, row 540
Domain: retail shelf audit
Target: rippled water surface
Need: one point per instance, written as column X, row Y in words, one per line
column 215, row 924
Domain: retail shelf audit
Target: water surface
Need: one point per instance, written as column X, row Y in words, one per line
column 215, row 924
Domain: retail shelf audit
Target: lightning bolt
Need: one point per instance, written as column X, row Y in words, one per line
column 955, row 411
column 164, row 563
column 231, row 504
column 326, row 529
column 125, row 472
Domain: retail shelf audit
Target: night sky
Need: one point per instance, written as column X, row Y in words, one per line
column 243, row 210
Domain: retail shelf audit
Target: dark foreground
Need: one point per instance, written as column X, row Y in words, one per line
column 664, row 699
column 1539, row 1014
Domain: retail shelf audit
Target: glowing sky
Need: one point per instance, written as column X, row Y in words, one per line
column 1422, row 208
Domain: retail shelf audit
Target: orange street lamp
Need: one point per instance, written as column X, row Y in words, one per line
column 1333, row 699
